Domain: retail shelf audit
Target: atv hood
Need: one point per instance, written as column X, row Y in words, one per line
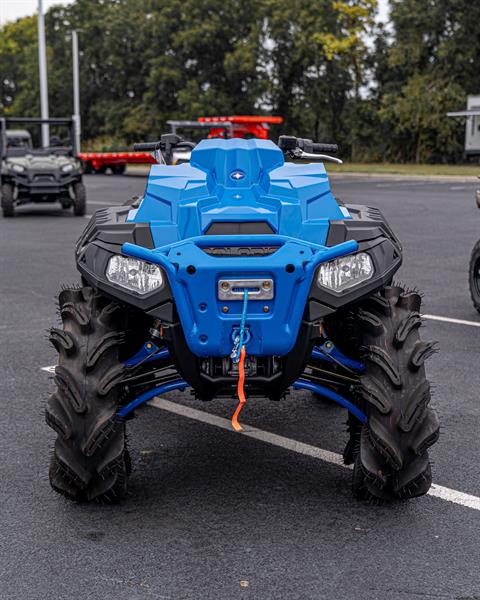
column 237, row 212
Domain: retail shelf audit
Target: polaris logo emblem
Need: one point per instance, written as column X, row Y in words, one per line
column 237, row 175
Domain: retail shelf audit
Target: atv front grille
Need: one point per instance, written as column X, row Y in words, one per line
column 228, row 251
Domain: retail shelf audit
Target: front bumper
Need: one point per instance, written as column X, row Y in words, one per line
column 210, row 323
column 38, row 183
column 298, row 298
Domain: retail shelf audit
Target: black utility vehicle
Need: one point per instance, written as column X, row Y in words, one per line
column 29, row 174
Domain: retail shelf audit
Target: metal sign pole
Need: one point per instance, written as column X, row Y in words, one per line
column 42, row 63
column 76, row 91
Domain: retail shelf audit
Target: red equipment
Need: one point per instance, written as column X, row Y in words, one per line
column 244, row 126
column 99, row 162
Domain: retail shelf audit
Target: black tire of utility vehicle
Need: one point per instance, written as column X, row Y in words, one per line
column 90, row 459
column 474, row 276
column 390, row 452
column 118, row 169
column 80, row 202
column 8, row 203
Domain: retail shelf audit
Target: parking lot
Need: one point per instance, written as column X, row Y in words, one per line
column 213, row 514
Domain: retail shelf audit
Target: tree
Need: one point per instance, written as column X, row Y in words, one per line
column 418, row 115
column 324, row 65
column 19, row 83
column 345, row 42
column 431, row 58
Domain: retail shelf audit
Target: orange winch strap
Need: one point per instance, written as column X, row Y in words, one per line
column 240, row 391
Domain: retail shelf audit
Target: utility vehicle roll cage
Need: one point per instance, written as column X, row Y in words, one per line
column 5, row 121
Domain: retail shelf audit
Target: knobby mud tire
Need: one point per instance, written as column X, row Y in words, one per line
column 390, row 452
column 90, row 459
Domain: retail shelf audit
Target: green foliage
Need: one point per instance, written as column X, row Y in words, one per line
column 105, row 143
column 417, row 117
column 19, row 87
column 324, row 65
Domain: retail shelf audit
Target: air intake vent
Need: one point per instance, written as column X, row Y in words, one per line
column 242, row 228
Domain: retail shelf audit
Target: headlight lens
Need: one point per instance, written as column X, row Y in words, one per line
column 67, row 168
column 18, row 168
column 345, row 272
column 133, row 274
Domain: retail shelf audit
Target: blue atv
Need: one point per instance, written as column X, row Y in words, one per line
column 240, row 274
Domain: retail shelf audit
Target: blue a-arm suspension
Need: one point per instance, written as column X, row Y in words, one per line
column 302, row 384
column 151, row 352
column 178, row 384
column 330, row 353
column 147, row 353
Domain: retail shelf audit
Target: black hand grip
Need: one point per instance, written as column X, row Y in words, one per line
column 146, row 146
column 289, row 143
column 316, row 147
column 319, row 148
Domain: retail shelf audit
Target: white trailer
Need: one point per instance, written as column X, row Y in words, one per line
column 472, row 125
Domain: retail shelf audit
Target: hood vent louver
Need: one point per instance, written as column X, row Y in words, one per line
column 240, row 228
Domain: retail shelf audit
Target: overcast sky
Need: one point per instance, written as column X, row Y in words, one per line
column 13, row 9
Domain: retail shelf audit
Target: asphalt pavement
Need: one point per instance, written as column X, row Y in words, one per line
column 216, row 515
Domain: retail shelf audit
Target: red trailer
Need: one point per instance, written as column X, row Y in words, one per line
column 99, row 162
column 243, row 126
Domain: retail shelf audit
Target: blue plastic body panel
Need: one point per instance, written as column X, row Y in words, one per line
column 207, row 329
column 239, row 181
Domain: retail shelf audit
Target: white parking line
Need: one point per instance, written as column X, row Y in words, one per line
column 252, row 432
column 437, row 491
column 452, row 320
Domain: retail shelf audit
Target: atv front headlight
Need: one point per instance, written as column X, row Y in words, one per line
column 18, row 168
column 67, row 168
column 133, row 274
column 345, row 272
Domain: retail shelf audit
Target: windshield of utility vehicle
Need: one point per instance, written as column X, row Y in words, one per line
column 18, row 139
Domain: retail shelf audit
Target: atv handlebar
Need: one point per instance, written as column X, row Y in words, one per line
column 290, row 143
column 167, row 142
column 146, row 146
column 319, row 148
column 163, row 149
